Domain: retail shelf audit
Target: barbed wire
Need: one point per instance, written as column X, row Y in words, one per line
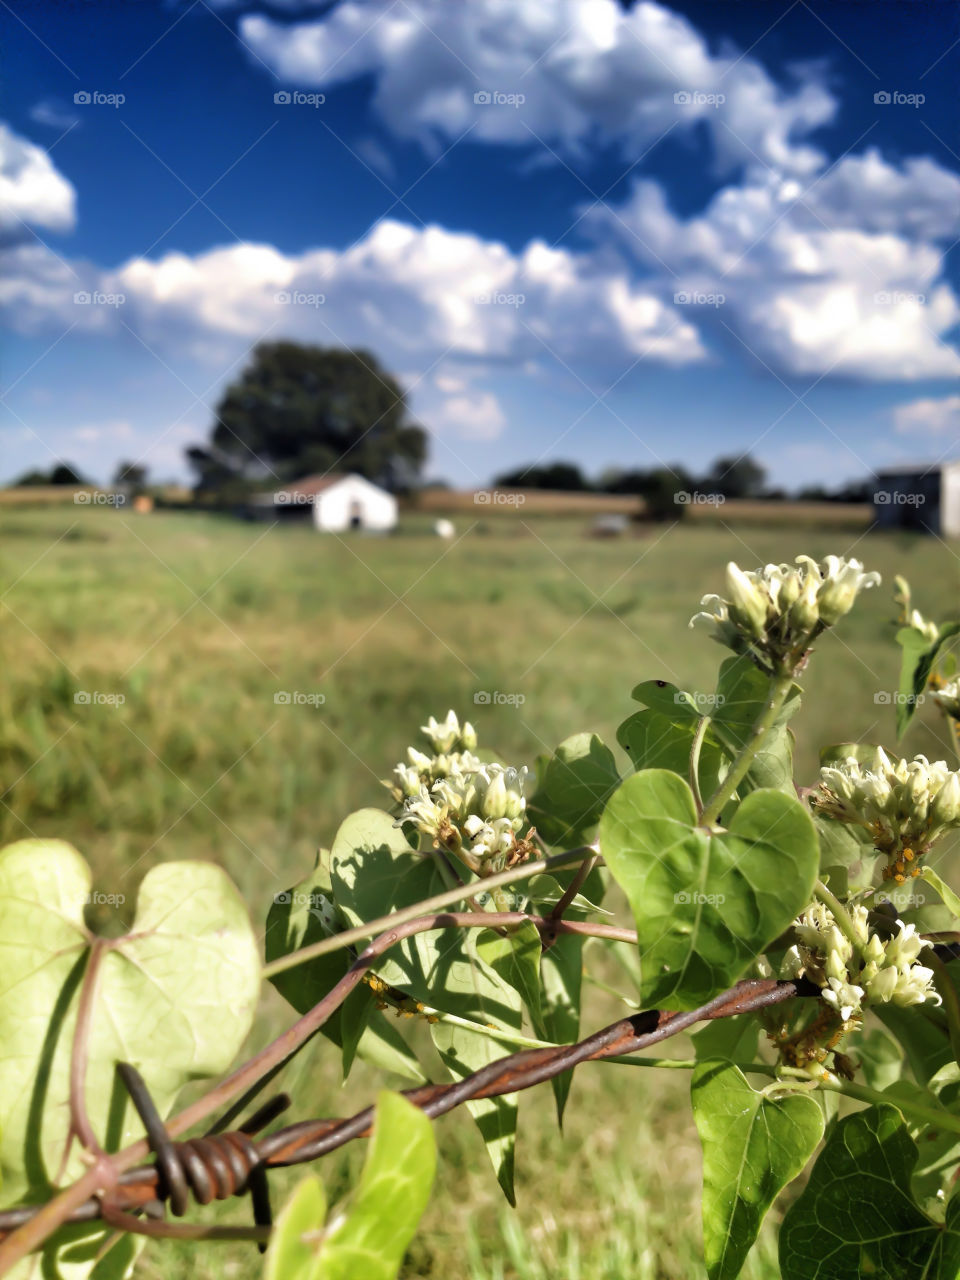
column 221, row 1165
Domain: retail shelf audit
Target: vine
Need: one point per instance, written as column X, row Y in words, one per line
column 775, row 925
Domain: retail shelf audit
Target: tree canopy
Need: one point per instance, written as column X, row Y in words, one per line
column 297, row 410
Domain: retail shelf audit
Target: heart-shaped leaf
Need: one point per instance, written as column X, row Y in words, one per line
column 573, row 786
column 706, row 903
column 373, row 870
column 752, row 1147
column 857, row 1218
column 175, row 996
column 305, row 914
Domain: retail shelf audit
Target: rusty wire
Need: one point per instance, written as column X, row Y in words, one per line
column 220, row 1165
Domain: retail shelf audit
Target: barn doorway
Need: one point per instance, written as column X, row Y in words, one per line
column 356, row 515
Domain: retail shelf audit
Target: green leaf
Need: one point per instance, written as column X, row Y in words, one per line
column 670, row 701
column 939, row 1147
column 879, row 1055
column 292, row 1255
column 922, row 1034
column 654, row 742
column 752, row 1147
column 515, row 956
column 947, row 896
column 301, row 916
column 733, row 1038
column 374, row 871
column 916, row 664
column 845, row 847
column 705, row 903
column 574, row 785
column 371, row 1238
column 390, row 1199
column 176, row 996
column 561, row 974
column 466, row 985
column 857, row 1218
column 742, row 692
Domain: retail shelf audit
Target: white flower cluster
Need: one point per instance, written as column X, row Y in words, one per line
column 452, row 752
column 906, row 805
column 469, row 808
column 776, row 612
column 947, row 697
column 883, row 971
column 476, row 814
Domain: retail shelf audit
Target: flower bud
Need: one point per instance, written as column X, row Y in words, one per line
column 883, row 985
column 945, row 809
column 747, row 605
column 805, row 615
column 789, row 590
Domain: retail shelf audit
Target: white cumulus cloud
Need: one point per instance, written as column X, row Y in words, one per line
column 586, row 71
column 928, row 415
column 33, row 193
column 413, row 295
column 843, row 276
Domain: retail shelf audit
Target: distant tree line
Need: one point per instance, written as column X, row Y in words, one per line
column 128, row 475
column 727, row 477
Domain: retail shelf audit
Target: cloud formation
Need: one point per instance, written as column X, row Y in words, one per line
column 413, row 295
column 587, row 72
column 33, row 193
column 930, row 415
column 840, row 275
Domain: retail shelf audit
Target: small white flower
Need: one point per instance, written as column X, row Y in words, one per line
column 776, row 612
column 448, row 735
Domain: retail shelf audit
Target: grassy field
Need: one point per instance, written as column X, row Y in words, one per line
column 243, row 688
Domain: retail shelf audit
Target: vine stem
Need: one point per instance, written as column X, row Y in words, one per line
column 446, row 899
column 105, row 1170
column 780, row 686
column 695, row 746
column 80, row 1126
column 575, row 885
column 840, row 914
column 829, row 1083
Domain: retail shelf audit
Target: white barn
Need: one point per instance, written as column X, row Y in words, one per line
column 926, row 498
column 339, row 503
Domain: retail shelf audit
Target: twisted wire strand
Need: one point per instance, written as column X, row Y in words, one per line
column 220, row 1165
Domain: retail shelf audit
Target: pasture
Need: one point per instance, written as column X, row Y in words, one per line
column 242, row 688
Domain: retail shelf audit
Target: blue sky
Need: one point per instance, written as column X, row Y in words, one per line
column 618, row 235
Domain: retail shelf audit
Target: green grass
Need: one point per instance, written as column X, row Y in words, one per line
column 198, row 622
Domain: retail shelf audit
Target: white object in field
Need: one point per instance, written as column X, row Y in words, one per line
column 445, row 529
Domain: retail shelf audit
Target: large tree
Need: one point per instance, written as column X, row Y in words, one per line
column 298, row 410
column 738, row 477
column 561, row 476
